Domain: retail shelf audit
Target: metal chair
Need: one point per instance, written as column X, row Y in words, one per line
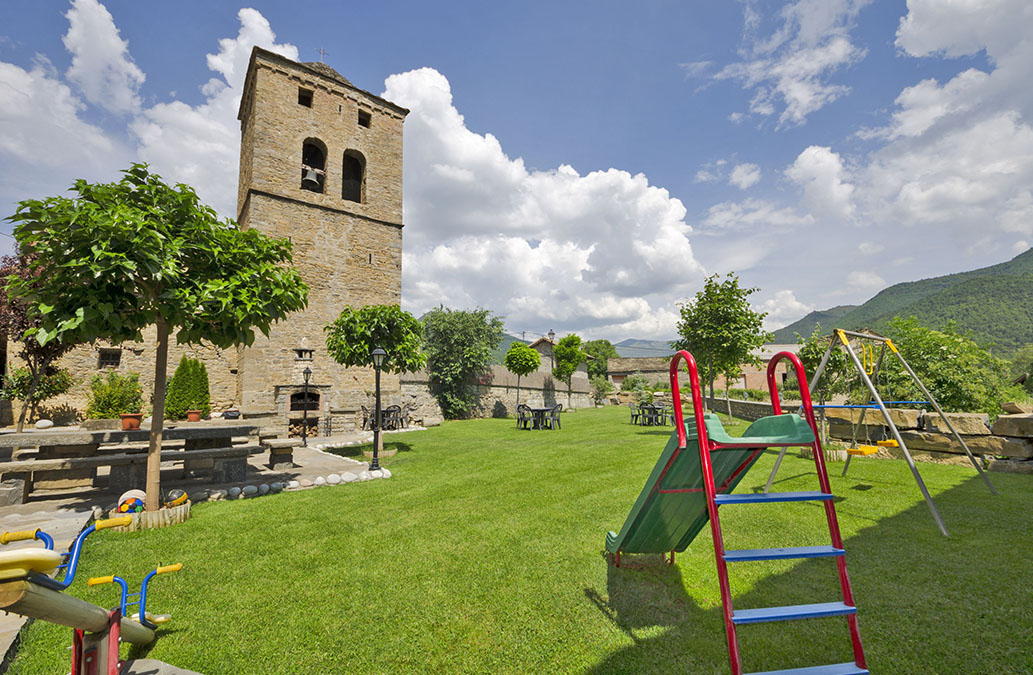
column 367, row 418
column 636, row 413
column 392, row 417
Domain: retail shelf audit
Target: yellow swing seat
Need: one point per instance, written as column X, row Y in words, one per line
column 862, row 450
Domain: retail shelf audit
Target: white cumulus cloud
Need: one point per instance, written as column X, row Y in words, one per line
column 604, row 249
column 782, row 309
column 101, row 65
column 820, row 173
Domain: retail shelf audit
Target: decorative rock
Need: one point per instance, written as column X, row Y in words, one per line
column 903, row 418
column 263, row 489
column 333, row 479
column 305, row 482
column 98, row 513
column 967, row 424
column 1018, row 448
column 1012, row 466
column 234, row 492
column 217, row 495
column 275, row 487
column 386, row 472
column 348, row 477
column 376, row 473
column 199, row 496
column 1017, row 408
column 320, row 480
column 249, row 490
column 44, row 424
column 1014, row 425
column 293, row 485
column 364, row 475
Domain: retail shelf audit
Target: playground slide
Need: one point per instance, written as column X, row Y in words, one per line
column 672, row 508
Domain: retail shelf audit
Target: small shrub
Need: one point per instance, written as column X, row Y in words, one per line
column 600, row 388
column 114, row 395
column 54, row 382
column 750, row 394
column 188, row 390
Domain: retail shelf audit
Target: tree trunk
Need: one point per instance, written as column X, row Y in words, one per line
column 728, row 401
column 161, row 359
column 36, row 377
column 568, row 395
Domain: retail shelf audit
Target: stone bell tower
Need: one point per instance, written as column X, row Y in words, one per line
column 321, row 165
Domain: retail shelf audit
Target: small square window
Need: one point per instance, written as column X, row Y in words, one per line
column 305, row 97
column 365, row 118
column 109, row 358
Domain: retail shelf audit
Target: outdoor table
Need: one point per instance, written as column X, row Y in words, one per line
column 538, row 417
column 65, row 443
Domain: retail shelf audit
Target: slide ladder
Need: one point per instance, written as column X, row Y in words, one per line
column 782, row 431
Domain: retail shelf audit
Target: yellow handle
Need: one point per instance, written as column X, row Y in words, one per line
column 169, row 568
column 113, row 522
column 97, row 581
column 889, row 343
column 23, row 535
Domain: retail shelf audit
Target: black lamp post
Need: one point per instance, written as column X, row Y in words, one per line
column 307, row 373
column 552, row 345
column 378, row 360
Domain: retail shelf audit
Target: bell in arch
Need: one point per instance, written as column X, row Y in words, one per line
column 310, row 180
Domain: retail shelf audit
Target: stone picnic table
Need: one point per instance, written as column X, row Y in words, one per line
column 69, row 458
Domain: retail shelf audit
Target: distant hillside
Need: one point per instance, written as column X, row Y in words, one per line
column 994, row 304
column 631, row 348
column 499, row 353
column 805, row 326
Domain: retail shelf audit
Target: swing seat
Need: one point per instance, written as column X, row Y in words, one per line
column 863, row 450
column 888, row 443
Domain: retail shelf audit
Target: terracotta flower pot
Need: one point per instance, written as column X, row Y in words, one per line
column 193, row 415
column 131, row 421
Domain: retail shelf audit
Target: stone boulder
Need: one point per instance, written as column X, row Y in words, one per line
column 903, row 418
column 1012, row 466
column 864, row 432
column 966, row 424
column 1014, row 425
column 1017, row 408
column 1017, row 448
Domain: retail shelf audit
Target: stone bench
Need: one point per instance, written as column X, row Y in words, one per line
column 281, row 452
column 129, row 470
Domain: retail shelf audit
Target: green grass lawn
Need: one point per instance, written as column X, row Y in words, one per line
column 484, row 553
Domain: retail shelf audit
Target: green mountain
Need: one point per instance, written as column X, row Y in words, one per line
column 499, row 353
column 632, row 347
column 994, row 304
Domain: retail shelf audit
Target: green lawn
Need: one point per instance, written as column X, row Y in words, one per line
column 484, row 553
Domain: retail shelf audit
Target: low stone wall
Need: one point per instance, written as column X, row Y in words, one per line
column 498, row 392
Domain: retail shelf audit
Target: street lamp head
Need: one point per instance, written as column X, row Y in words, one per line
column 307, row 373
column 552, row 335
column 378, row 357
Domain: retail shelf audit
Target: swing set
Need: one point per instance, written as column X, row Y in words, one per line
column 868, row 366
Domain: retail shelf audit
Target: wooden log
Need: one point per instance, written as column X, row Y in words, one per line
column 38, row 602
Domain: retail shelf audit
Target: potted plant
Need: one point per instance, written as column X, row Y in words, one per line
column 116, row 396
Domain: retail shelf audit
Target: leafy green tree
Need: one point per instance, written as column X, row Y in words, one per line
column 188, row 390
column 1022, row 364
column 114, row 395
column 839, row 375
column 17, row 319
column 356, row 332
column 119, row 257
column 567, row 355
column 600, row 388
column 959, row 373
column 458, row 345
column 22, row 385
column 521, row 360
column 719, row 328
column 601, row 352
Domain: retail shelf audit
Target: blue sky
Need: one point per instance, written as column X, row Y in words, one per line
column 582, row 166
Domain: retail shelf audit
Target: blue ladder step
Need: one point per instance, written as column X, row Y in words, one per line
column 749, row 554
column 790, row 612
column 762, row 498
column 832, row 669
